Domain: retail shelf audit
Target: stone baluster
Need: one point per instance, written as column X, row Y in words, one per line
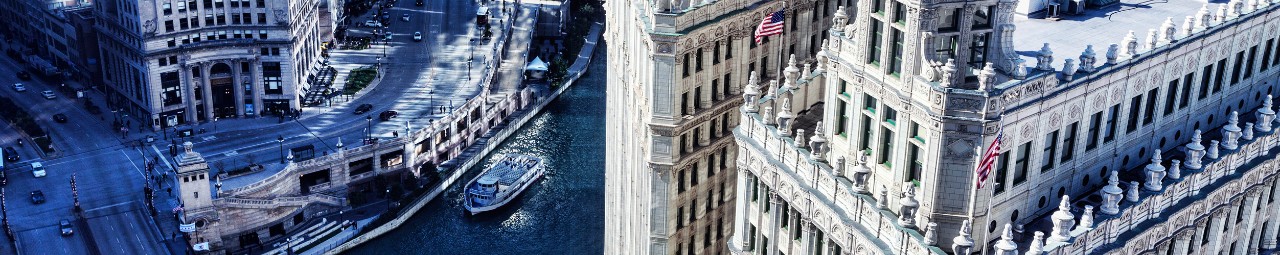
column 1231, row 132
column 907, row 207
column 1068, row 69
column 750, row 94
column 1006, row 246
column 799, row 141
column 839, row 167
column 806, row 71
column 882, row 201
column 1155, row 173
column 1153, row 39
column 818, row 144
column 1265, row 116
column 1020, row 69
column 962, row 243
column 1175, row 170
column 1037, row 244
column 1132, row 192
column 1044, row 59
column 784, row 118
column 987, row 77
column 1113, row 53
column 822, row 56
column 1168, row 31
column 1221, row 16
column 791, row 73
column 1086, row 219
column 1237, row 8
column 860, row 174
column 1188, row 26
column 839, row 21
column 1130, row 44
column 1206, row 18
column 1247, row 133
column 1062, row 221
column 1087, row 59
column 930, row 234
column 767, row 116
column 948, row 73
column 1111, row 194
column 1195, row 152
column 1213, row 150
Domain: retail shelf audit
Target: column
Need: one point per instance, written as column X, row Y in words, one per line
column 1197, row 235
column 256, row 81
column 1273, row 228
column 188, row 92
column 809, row 239
column 207, row 91
column 705, row 100
column 1215, row 233
column 237, row 86
column 1245, row 233
column 743, row 222
column 704, row 138
column 775, row 215
column 1181, row 241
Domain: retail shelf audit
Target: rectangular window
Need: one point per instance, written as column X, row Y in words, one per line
column 171, row 88
column 915, row 168
column 685, row 66
column 680, row 217
column 1266, row 55
column 977, row 56
column 168, row 26
column 1002, row 171
column 869, row 103
column 1095, row 128
column 877, row 6
column 715, row 54
column 166, row 8
column 886, row 147
column 895, row 64
column 947, row 46
column 1239, row 66
column 222, row 19
column 1021, row 165
column 915, row 132
column 698, row 60
column 1149, row 114
column 1171, row 97
column 693, row 175
column 262, row 18
column 982, row 18
column 235, row 19
column 697, row 97
column 842, row 124
column 899, row 12
column 891, row 116
column 1135, row 108
column 1050, row 151
column 273, row 83
column 1111, row 124
column 1248, row 64
column 1186, row 90
column 1069, row 142
column 949, row 20
column 1205, row 81
column 873, row 57
column 1217, row 80
column 728, row 50
column 867, row 134
column 182, row 23
column 181, row 6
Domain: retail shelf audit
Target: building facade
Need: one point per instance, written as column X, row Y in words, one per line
column 1162, row 145
column 670, row 167
column 170, row 63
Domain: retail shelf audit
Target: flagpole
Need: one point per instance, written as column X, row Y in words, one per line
column 782, row 44
column 986, row 215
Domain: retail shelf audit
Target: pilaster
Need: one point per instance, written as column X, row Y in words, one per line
column 237, row 86
column 207, row 90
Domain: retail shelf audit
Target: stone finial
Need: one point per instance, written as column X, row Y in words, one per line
column 1265, row 116
column 1062, row 220
column 1206, row 18
column 799, row 141
column 1086, row 219
column 840, row 20
column 1237, row 8
column 1113, row 53
column 784, row 117
column 1019, row 69
column 767, row 116
column 883, row 202
column 987, row 77
column 792, row 72
column 860, row 173
column 839, row 167
column 1195, row 151
column 1213, row 150
column 1247, row 134
column 1037, row 244
column 1112, row 194
column 1044, row 58
column 962, row 243
column 822, row 56
column 1131, row 193
column 1175, row 169
column 1006, row 245
column 907, row 207
column 1221, row 16
column 1155, row 173
column 1087, row 59
column 773, row 89
column 1188, row 26
column 750, row 94
column 818, row 143
column 1168, row 30
column 186, row 147
column 1152, row 39
column 1130, row 44
column 948, row 73
column 805, row 72
column 930, row 234
column 1231, row 132
column 1253, row 4
column 1068, row 69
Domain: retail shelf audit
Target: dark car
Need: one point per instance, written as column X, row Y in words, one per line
column 37, row 197
column 363, row 108
column 24, row 75
column 65, row 227
column 419, row 3
column 11, row 155
column 388, row 115
column 60, row 118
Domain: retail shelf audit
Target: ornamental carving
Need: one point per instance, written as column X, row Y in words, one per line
column 960, row 149
column 964, row 104
column 1028, row 131
column 1117, row 94
column 664, row 48
column 1055, row 120
column 1074, row 113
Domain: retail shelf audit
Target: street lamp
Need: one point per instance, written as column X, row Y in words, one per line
column 280, row 139
column 215, row 124
column 368, row 127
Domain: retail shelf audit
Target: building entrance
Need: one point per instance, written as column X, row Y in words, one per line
column 220, row 81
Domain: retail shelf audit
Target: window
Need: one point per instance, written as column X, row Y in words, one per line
column 171, row 88
column 899, row 12
column 876, row 35
column 877, row 6
column 1266, row 55
column 1239, row 66
column 915, row 132
column 262, row 18
column 950, row 20
column 1111, row 124
column 947, row 47
column 867, row 134
column 685, row 66
column 977, row 57
column 182, row 6
column 891, row 116
column 1050, row 151
column 1069, row 142
column 208, row 4
column 842, row 124
column 982, row 18
column 1186, row 90
column 1204, row 81
column 195, row 22
column 1021, row 165
column 167, row 8
column 869, row 103
column 886, row 147
column 222, row 19
column 217, row 3
column 262, row 34
column 1135, row 105
column 693, row 175
column 1149, row 114
column 679, row 217
column 728, row 49
column 271, row 78
column 172, row 43
column 1217, row 80
column 235, row 3
column 1171, row 97
column 1095, row 125
column 698, row 58
column 235, row 19
column 697, row 97
column 915, row 167
column 208, row 19
column 895, row 64
column 1001, row 172
column 684, row 103
column 168, row 26
column 163, row 61
column 262, row 3
column 182, row 23
column 715, row 54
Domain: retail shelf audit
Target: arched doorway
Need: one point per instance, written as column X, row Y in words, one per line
column 223, row 90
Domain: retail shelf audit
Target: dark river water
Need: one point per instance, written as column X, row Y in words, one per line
column 561, row 214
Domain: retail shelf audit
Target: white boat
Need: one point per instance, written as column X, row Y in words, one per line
column 502, row 182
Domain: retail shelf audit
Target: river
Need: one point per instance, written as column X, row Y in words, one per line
column 561, row 214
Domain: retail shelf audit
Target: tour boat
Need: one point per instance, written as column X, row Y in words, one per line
column 502, row 182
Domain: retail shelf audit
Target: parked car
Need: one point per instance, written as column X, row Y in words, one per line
column 37, row 197
column 11, row 155
column 419, row 3
column 404, row 17
column 417, row 36
column 48, row 94
column 372, row 23
column 65, row 226
column 363, row 108
column 388, row 115
column 60, row 118
column 19, row 87
column 37, row 169
column 24, row 75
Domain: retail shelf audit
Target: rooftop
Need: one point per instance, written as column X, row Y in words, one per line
column 1099, row 27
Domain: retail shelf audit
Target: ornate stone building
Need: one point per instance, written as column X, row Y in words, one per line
column 670, row 167
column 1162, row 145
column 172, row 62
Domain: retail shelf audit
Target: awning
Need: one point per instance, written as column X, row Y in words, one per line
column 536, row 65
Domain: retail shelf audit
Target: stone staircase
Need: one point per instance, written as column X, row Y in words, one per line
column 271, row 203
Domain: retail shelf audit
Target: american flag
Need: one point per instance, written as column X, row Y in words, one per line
column 989, row 158
column 770, row 25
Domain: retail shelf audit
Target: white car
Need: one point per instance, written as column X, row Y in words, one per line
column 372, row 23
column 48, row 94
column 404, row 17
column 19, row 87
column 417, row 36
column 37, row 169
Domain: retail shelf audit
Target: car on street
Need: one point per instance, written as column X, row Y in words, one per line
column 372, row 23
column 65, row 226
column 24, row 75
column 417, row 36
column 37, row 197
column 388, row 115
column 19, row 87
column 404, row 17
column 388, row 36
column 37, row 169
column 48, row 94
column 11, row 155
column 363, row 108
column 60, row 118
column 419, row 3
